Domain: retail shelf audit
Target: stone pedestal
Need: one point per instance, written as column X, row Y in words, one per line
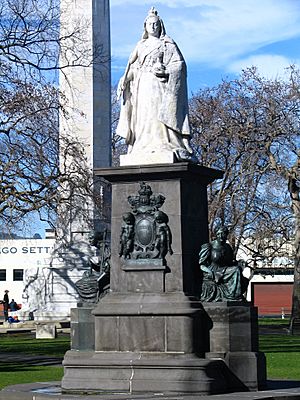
column 233, row 336
column 184, row 187
column 83, row 328
column 151, row 332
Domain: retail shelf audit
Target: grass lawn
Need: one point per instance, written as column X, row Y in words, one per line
column 273, row 321
column 282, row 354
column 12, row 374
column 27, row 344
column 15, row 372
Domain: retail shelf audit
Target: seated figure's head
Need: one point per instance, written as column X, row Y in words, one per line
column 95, row 237
column 222, row 233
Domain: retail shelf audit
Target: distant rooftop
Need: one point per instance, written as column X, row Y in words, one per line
column 49, row 234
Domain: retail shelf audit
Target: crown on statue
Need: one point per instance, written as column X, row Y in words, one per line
column 152, row 12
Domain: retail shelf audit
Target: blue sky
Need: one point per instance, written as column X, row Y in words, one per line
column 217, row 37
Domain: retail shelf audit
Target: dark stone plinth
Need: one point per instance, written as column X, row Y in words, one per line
column 233, row 336
column 133, row 372
column 151, row 332
column 233, row 326
column 184, row 186
column 136, row 173
column 144, row 276
column 82, row 328
column 166, row 322
column 147, row 342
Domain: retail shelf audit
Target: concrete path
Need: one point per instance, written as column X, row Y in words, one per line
column 51, row 390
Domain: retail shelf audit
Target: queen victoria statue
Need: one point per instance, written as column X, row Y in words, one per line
column 154, row 108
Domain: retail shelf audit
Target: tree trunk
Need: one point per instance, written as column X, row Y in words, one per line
column 294, row 190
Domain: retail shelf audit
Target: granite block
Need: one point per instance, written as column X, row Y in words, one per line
column 45, row 330
column 180, row 334
column 142, row 333
column 249, row 367
column 145, row 372
column 107, row 334
column 82, row 328
column 233, row 326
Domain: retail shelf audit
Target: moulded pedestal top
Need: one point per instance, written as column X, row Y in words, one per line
column 180, row 170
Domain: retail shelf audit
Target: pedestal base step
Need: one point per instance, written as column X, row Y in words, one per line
column 98, row 372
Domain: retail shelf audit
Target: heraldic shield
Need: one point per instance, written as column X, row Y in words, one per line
column 145, row 232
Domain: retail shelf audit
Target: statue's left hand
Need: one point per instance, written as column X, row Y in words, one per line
column 218, row 277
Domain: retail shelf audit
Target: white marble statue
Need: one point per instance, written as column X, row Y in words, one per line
column 154, row 108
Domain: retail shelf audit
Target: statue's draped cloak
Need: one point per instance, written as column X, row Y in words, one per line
column 154, row 112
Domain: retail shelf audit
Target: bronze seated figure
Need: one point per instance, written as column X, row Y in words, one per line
column 222, row 277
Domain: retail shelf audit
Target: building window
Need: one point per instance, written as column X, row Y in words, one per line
column 2, row 274
column 18, row 274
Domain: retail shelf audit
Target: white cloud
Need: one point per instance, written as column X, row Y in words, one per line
column 268, row 65
column 221, row 34
column 215, row 32
column 169, row 3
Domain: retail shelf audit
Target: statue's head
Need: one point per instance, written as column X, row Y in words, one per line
column 128, row 218
column 161, row 217
column 222, row 232
column 145, row 193
column 95, row 237
column 153, row 25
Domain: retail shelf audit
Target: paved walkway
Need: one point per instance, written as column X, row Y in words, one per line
column 51, row 390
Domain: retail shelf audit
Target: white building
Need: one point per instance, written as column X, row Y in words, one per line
column 24, row 270
column 38, row 277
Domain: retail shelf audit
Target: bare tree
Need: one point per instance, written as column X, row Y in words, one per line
column 249, row 127
column 118, row 143
column 33, row 48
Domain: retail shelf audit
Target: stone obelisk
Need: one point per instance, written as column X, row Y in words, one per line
column 86, row 89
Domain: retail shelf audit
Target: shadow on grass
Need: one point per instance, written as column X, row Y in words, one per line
column 27, row 344
column 275, row 384
column 279, row 343
column 12, row 367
